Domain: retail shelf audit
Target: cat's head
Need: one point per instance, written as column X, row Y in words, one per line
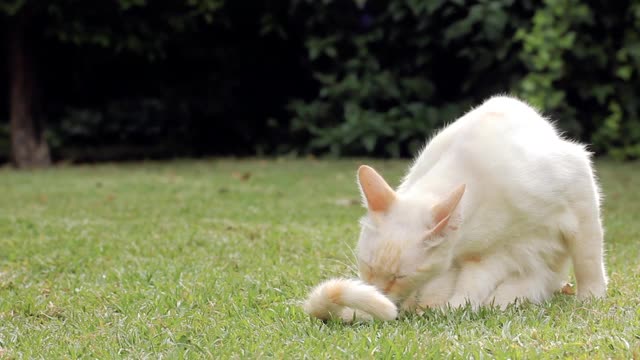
column 404, row 240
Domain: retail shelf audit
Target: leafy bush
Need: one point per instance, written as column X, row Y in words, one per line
column 344, row 77
column 546, row 43
column 608, row 82
column 390, row 72
column 582, row 60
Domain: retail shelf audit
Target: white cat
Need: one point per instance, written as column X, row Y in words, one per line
column 494, row 209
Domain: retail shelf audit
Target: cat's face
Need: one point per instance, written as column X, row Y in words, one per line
column 403, row 241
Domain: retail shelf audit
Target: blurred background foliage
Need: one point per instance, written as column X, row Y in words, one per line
column 138, row 79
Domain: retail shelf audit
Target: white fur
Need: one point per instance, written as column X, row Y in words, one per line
column 340, row 298
column 530, row 207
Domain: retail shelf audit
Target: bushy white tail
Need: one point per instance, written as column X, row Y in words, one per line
column 329, row 300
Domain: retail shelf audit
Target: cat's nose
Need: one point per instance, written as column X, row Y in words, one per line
column 389, row 286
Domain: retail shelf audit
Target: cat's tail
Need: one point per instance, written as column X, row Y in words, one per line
column 329, row 299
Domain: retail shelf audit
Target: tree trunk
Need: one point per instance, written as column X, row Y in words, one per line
column 29, row 147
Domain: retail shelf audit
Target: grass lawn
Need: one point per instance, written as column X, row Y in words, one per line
column 211, row 259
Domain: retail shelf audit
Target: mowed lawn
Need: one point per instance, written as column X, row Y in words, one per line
column 212, row 259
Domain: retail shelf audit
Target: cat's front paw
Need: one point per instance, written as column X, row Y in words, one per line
column 410, row 304
column 459, row 301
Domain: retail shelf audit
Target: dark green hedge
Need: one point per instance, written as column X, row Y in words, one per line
column 341, row 77
column 391, row 71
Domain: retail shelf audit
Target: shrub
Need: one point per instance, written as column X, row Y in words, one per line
column 389, row 72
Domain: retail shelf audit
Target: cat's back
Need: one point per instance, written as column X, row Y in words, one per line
column 503, row 121
column 503, row 136
column 506, row 131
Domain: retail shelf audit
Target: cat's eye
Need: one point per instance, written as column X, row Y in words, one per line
column 398, row 277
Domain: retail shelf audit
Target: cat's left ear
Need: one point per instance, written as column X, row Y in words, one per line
column 443, row 211
column 376, row 192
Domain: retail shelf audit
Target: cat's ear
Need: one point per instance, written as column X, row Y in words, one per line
column 377, row 194
column 443, row 210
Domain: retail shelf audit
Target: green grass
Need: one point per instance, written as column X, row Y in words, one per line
column 192, row 259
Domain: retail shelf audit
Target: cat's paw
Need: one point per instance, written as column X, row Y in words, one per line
column 410, row 304
column 593, row 291
column 459, row 301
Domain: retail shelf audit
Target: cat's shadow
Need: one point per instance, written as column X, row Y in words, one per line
column 468, row 316
column 558, row 304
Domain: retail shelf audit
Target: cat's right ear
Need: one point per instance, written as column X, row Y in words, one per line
column 442, row 213
column 376, row 193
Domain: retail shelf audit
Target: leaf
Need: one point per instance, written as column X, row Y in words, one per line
column 347, row 202
column 624, row 72
column 242, row 176
column 568, row 289
column 10, row 7
column 369, row 142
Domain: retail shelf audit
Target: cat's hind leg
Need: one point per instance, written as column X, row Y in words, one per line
column 586, row 248
column 583, row 235
column 534, row 288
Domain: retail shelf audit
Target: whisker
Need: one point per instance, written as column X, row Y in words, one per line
column 345, row 264
column 354, row 257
